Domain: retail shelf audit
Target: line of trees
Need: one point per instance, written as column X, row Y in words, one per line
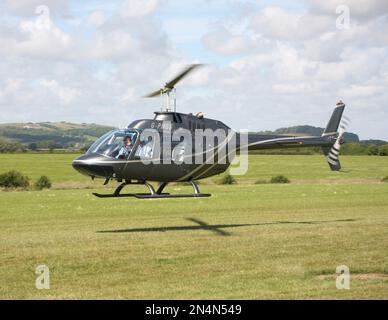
column 6, row 146
column 351, row 149
column 14, row 146
column 364, row 149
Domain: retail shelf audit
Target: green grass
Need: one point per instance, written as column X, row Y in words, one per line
column 298, row 168
column 246, row 241
column 315, row 167
column 56, row 166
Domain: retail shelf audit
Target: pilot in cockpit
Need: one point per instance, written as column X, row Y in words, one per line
column 126, row 148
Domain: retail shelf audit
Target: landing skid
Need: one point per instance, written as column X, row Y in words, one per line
column 166, row 195
column 158, row 194
column 137, row 195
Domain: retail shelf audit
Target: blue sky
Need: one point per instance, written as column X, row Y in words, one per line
column 270, row 64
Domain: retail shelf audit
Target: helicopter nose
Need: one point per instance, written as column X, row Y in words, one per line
column 81, row 165
column 92, row 165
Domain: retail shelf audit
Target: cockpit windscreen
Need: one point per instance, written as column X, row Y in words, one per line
column 117, row 144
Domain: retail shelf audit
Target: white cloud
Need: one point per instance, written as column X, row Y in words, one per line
column 224, row 42
column 310, row 65
column 97, row 18
column 80, row 72
column 135, row 8
column 64, row 94
column 28, row 7
column 275, row 66
column 359, row 9
column 41, row 40
column 362, row 91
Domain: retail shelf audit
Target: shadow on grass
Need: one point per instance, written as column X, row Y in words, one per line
column 217, row 228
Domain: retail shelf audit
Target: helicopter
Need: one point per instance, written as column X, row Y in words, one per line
column 174, row 147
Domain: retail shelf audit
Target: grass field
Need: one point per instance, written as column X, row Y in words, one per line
column 246, row 241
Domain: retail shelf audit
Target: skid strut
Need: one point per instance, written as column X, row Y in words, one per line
column 158, row 194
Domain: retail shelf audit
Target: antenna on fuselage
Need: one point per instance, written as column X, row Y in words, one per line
column 169, row 87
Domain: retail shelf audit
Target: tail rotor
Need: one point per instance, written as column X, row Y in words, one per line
column 333, row 155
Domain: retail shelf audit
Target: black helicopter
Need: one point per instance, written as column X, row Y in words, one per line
column 147, row 151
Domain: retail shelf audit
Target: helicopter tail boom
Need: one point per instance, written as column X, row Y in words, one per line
column 330, row 141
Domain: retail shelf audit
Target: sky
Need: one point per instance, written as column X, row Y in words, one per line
column 269, row 64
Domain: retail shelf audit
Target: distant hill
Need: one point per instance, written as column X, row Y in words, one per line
column 52, row 135
column 310, row 130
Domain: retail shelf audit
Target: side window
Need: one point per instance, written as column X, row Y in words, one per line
column 178, row 153
column 145, row 149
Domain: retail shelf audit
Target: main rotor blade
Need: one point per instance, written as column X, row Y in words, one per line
column 153, row 94
column 170, row 85
column 179, row 77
